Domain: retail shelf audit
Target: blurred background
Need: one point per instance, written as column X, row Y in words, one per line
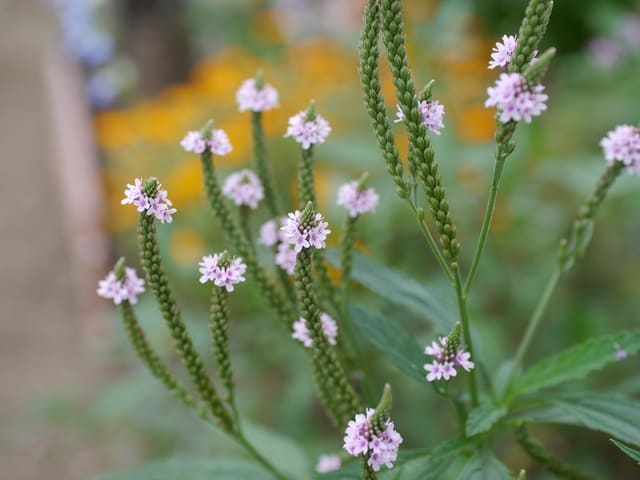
column 97, row 92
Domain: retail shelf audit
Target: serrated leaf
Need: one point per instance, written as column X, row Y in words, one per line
column 575, row 363
column 612, row 414
column 485, row 466
column 392, row 340
column 628, row 451
column 428, row 300
column 483, row 417
column 281, row 451
column 191, row 469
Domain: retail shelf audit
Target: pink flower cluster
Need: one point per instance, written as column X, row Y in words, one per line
column 432, row 114
column 357, row 200
column 503, row 52
column 622, row 144
column 159, row 205
column 222, row 276
column 195, row 142
column 444, row 363
column 308, row 132
column 254, row 99
column 620, row 352
column 515, row 100
column 328, row 463
column 271, row 235
column 302, row 334
column 360, row 440
column 301, row 237
column 244, row 188
column 119, row 290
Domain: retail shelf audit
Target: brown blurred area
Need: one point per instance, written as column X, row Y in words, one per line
column 52, row 248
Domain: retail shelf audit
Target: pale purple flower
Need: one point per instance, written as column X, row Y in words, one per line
column 380, row 449
column 159, row 205
column 219, row 143
column 118, row 290
column 249, row 97
column 328, row 463
column 194, row 142
column 622, row 144
column 111, row 288
column 432, row 113
column 308, row 132
column 329, row 328
column 605, row 53
column 515, row 100
column 134, row 195
column 132, row 286
column 443, row 366
column 221, row 275
column 286, row 257
column 620, row 353
column 383, row 449
column 357, row 434
column 302, row 334
column 357, row 200
column 306, row 237
column 503, row 52
column 269, row 234
column 244, row 188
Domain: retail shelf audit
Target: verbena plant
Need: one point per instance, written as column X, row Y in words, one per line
column 318, row 312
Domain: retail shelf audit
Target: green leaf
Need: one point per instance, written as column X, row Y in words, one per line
column 427, row 299
column 575, row 363
column 485, row 466
column 391, row 339
column 612, row 414
column 483, row 417
column 191, row 469
column 281, row 451
column 433, row 465
column 630, row 452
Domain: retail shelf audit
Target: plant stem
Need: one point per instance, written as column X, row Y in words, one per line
column 486, row 223
column 432, row 244
column 240, row 438
column 464, row 319
column 534, row 322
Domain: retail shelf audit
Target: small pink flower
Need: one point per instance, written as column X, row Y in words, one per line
column 194, row 142
column 432, row 115
column 249, row 97
column 286, row 258
column 301, row 237
column 622, row 144
column 503, row 52
column 381, row 449
column 269, row 234
column 158, row 205
column 308, row 132
column 119, row 290
column 219, row 143
column 515, row 100
column 357, row 200
column 620, row 353
column 302, row 334
column 328, row 463
column 244, row 188
column 220, row 275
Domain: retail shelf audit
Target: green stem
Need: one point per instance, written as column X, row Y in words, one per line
column 532, row 327
column 464, row 319
column 432, row 243
column 262, row 166
column 486, row 223
column 240, row 438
